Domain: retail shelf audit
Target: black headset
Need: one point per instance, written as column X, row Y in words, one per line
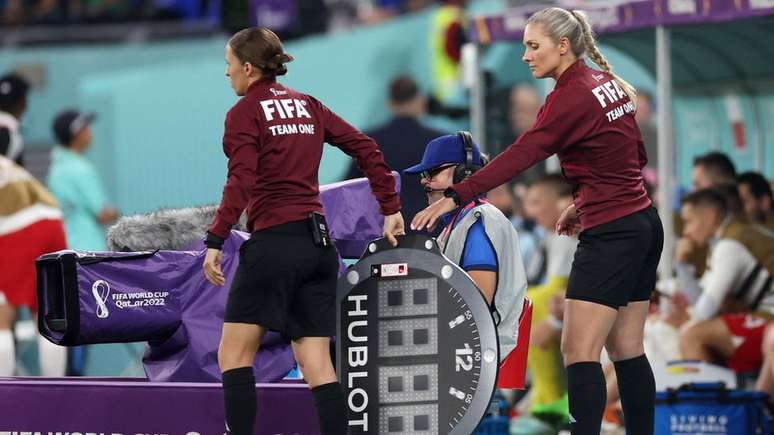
column 465, row 170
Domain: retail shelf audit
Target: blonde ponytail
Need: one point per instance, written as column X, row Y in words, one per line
column 596, row 56
column 574, row 25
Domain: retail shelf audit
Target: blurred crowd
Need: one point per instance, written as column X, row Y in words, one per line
column 289, row 18
column 62, row 12
column 297, row 18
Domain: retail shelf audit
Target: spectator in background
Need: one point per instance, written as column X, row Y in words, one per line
column 12, row 13
column 730, row 192
column 13, row 104
column 709, row 170
column 712, row 169
column 644, row 118
column 447, row 35
column 542, row 199
column 75, row 183
column 46, row 12
column 511, row 112
column 105, row 11
column 30, row 226
column 545, row 201
column 522, row 113
column 523, row 104
column 735, row 297
column 403, row 138
column 505, row 199
column 524, row 107
column 757, row 199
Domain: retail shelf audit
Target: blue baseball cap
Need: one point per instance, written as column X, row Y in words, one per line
column 444, row 150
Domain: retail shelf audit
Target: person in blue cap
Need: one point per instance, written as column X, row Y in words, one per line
column 477, row 236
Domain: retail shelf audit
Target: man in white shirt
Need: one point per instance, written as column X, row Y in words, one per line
column 735, row 298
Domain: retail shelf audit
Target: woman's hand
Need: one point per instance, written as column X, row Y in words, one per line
column 394, row 226
column 428, row 217
column 212, row 270
column 568, row 223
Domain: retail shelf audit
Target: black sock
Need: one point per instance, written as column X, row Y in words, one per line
column 638, row 394
column 331, row 410
column 239, row 398
column 587, row 394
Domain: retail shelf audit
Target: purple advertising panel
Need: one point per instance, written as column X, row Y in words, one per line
column 134, row 407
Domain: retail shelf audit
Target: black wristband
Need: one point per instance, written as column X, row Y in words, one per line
column 213, row 242
column 451, row 193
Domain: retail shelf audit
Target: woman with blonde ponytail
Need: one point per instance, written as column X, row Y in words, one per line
column 588, row 121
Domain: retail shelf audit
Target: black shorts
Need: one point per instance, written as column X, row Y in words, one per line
column 285, row 283
column 616, row 262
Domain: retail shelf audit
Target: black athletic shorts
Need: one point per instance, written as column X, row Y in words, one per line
column 285, row 283
column 616, row 262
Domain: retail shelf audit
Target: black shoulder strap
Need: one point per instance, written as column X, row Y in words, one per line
column 5, row 140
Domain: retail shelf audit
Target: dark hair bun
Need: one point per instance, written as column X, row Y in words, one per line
column 276, row 64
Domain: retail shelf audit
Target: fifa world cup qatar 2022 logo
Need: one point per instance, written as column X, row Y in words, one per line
column 123, row 299
column 101, row 290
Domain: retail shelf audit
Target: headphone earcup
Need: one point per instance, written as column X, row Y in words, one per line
column 466, row 169
column 459, row 173
column 463, row 171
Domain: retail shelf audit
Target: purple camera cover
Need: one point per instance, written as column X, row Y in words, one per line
column 163, row 297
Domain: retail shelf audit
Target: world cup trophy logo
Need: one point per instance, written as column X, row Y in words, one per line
column 100, row 290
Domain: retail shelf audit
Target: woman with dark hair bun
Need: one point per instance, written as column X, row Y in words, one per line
column 588, row 121
column 286, row 279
